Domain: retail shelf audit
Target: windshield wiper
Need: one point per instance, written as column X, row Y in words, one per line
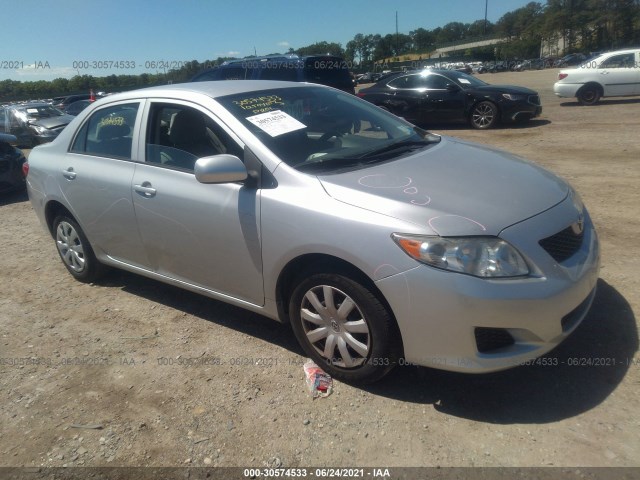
column 396, row 148
column 321, row 163
column 383, row 153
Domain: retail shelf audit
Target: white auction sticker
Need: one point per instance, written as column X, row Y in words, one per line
column 464, row 80
column 276, row 123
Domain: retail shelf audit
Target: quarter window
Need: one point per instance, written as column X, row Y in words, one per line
column 108, row 132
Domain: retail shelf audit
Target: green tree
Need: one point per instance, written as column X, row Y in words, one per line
column 322, row 48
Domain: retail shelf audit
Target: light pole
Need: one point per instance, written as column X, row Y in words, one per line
column 486, row 5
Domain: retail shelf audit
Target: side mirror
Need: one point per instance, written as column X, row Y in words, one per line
column 220, row 169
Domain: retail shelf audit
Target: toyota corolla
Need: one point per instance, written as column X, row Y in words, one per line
column 378, row 242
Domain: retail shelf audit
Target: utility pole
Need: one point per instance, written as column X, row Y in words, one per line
column 486, row 5
column 397, row 47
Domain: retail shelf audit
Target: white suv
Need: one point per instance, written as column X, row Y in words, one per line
column 612, row 74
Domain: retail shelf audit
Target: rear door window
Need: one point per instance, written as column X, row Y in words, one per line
column 108, row 132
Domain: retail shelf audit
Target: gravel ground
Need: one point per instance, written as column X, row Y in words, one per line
column 131, row 372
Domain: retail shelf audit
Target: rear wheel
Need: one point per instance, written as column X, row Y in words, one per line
column 75, row 251
column 589, row 94
column 343, row 327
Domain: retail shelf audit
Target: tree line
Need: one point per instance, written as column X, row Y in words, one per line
column 580, row 25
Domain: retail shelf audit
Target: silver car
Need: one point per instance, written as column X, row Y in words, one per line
column 380, row 243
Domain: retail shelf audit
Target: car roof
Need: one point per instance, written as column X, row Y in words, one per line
column 213, row 89
column 30, row 105
column 626, row 50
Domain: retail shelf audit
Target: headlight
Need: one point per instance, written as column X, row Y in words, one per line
column 511, row 96
column 478, row 256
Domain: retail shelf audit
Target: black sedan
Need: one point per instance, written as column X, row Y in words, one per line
column 76, row 107
column 11, row 161
column 444, row 96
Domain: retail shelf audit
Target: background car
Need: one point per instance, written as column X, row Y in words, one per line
column 570, row 60
column 532, row 64
column 612, row 74
column 33, row 123
column 11, row 161
column 63, row 102
column 76, row 107
column 322, row 69
column 444, row 96
column 376, row 240
column 495, row 67
column 369, row 77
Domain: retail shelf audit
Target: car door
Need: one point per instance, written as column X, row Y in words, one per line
column 619, row 74
column 408, row 99
column 206, row 235
column 96, row 179
column 445, row 98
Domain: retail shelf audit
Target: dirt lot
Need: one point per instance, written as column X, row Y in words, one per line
column 126, row 354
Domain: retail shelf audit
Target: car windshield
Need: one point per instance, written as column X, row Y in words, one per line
column 318, row 129
column 465, row 80
column 39, row 111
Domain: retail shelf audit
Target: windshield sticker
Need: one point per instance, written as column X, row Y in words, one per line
column 266, row 103
column 32, row 110
column 464, row 80
column 276, row 123
column 112, row 121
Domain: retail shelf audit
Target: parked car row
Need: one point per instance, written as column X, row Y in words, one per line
column 37, row 122
column 33, row 123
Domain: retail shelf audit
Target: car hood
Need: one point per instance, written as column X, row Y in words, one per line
column 505, row 89
column 52, row 122
column 452, row 188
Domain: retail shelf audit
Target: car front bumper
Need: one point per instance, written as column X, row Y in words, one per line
column 519, row 110
column 446, row 318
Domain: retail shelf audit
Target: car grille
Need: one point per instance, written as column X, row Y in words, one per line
column 490, row 339
column 534, row 99
column 4, row 166
column 562, row 245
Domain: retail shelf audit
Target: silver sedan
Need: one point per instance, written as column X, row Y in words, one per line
column 380, row 243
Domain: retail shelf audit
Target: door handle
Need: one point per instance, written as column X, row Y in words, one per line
column 145, row 189
column 69, row 174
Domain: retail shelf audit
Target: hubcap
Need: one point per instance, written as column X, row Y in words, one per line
column 335, row 326
column 70, row 247
column 483, row 115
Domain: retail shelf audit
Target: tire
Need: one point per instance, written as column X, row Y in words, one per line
column 484, row 115
column 344, row 328
column 589, row 94
column 75, row 250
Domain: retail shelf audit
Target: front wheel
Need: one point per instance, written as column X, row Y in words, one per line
column 343, row 327
column 589, row 95
column 484, row 115
column 75, row 251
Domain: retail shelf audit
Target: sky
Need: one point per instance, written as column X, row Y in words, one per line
column 46, row 40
